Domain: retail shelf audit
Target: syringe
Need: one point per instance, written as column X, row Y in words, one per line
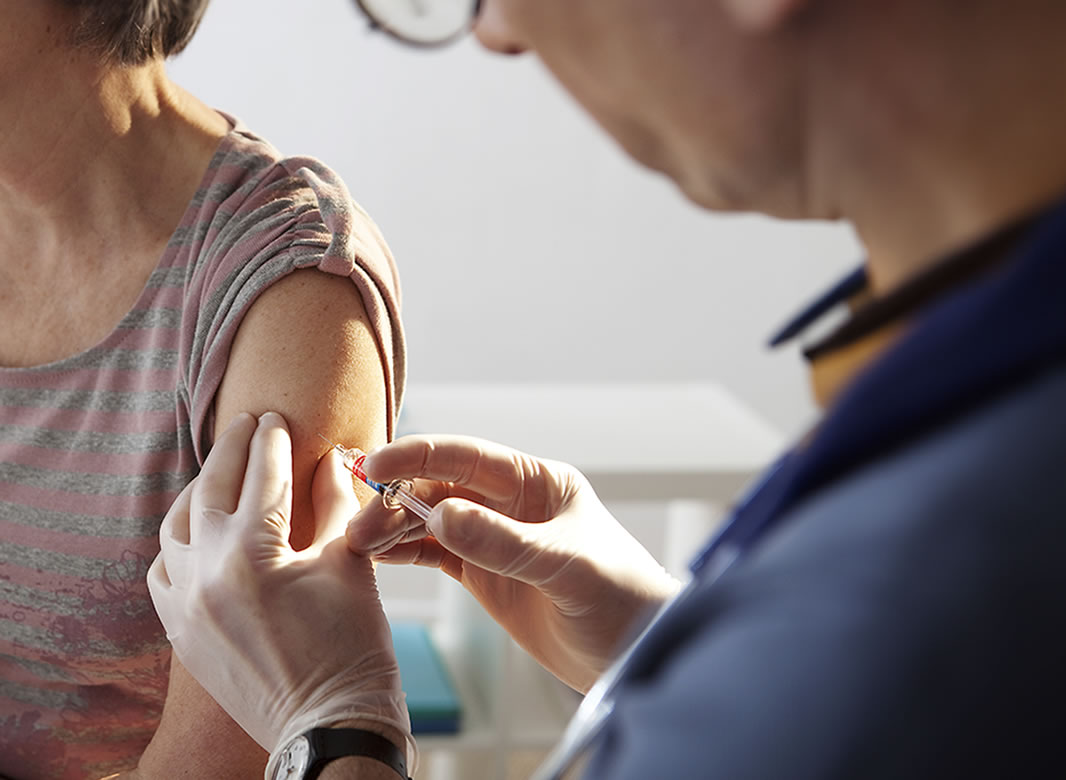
column 398, row 493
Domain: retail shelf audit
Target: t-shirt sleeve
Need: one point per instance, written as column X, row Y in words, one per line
column 256, row 229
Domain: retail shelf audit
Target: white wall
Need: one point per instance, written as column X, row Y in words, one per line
column 529, row 247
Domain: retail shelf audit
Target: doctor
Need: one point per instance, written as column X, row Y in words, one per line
column 888, row 603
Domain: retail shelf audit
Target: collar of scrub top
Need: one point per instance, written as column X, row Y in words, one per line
column 980, row 320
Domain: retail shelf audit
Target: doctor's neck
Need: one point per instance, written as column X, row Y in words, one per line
column 942, row 128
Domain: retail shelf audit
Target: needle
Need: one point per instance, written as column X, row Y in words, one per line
column 398, row 493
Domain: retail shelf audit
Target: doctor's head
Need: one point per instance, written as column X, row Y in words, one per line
column 709, row 92
column 799, row 108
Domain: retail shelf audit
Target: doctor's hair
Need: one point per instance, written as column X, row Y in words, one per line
column 131, row 32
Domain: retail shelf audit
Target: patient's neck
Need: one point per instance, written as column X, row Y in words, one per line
column 98, row 163
column 90, row 150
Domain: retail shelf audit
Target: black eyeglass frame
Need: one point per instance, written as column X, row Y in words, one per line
column 376, row 24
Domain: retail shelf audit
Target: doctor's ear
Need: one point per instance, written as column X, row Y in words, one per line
column 762, row 15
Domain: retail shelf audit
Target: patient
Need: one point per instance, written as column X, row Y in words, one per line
column 161, row 269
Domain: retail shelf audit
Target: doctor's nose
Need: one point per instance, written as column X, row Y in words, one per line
column 494, row 31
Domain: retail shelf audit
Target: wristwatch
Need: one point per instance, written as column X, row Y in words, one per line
column 306, row 755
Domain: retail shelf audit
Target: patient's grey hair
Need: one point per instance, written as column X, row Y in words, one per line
column 133, row 31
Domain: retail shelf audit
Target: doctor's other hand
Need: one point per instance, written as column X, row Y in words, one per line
column 527, row 537
column 283, row 640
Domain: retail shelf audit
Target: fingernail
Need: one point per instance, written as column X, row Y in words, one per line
column 368, row 462
column 373, row 452
column 238, row 419
column 273, row 418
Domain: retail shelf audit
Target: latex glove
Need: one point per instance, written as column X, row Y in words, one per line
column 527, row 537
column 283, row 640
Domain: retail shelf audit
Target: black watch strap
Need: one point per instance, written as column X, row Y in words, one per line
column 329, row 744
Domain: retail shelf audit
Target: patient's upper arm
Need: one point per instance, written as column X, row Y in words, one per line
column 304, row 349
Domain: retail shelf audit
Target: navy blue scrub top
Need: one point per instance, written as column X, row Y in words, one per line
column 981, row 339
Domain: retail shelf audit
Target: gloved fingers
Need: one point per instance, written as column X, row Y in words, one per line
column 377, row 526
column 266, row 496
column 332, row 498
column 174, row 549
column 495, row 542
column 167, row 599
column 424, row 552
column 414, row 534
column 410, row 535
column 219, row 482
column 175, row 525
column 491, row 470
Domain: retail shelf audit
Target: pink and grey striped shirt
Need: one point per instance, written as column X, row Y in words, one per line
column 94, row 448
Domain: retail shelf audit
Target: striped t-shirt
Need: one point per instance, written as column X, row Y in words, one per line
column 94, row 449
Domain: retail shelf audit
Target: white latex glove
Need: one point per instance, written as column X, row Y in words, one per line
column 527, row 537
column 283, row 640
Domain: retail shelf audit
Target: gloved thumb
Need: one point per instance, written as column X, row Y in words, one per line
column 333, row 499
column 495, row 542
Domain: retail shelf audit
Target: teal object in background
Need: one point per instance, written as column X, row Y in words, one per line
column 431, row 698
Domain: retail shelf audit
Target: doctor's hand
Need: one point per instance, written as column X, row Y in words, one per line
column 527, row 537
column 283, row 640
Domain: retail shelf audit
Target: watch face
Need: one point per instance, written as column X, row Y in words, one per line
column 294, row 760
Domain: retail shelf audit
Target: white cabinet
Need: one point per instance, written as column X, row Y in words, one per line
column 690, row 447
